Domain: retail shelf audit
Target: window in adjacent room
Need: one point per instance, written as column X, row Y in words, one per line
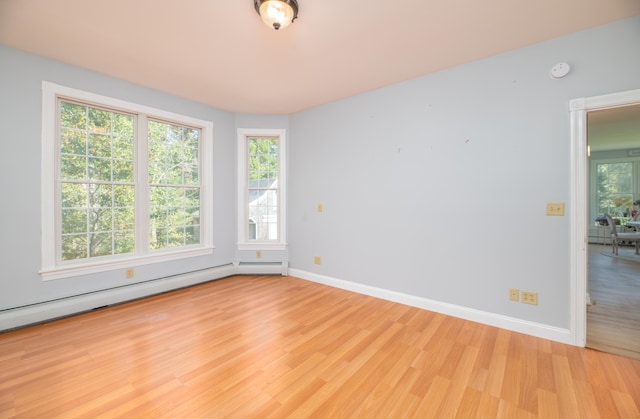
column 261, row 188
column 123, row 184
column 614, row 187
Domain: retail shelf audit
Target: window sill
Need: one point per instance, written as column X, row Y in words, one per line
column 67, row 271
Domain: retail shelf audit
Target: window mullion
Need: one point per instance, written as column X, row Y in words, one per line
column 142, row 185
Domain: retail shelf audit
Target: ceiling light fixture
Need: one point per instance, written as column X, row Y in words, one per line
column 277, row 14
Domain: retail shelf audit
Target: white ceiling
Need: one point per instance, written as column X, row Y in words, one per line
column 218, row 52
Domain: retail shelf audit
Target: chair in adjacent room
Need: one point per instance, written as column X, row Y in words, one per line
column 617, row 237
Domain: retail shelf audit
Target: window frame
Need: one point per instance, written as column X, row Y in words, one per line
column 243, row 190
column 52, row 268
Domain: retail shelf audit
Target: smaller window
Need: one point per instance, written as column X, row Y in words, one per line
column 261, row 194
column 263, row 187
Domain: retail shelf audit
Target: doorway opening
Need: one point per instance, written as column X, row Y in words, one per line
column 581, row 215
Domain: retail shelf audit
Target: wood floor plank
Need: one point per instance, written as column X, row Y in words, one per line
column 568, row 400
column 459, row 380
column 489, row 406
column 548, row 404
column 496, row 374
column 434, row 399
column 397, row 396
column 261, row 346
column 627, row 408
column 613, row 321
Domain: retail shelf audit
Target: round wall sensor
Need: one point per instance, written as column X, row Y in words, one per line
column 560, row 70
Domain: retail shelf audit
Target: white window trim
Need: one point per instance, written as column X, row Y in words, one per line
column 243, row 185
column 51, row 269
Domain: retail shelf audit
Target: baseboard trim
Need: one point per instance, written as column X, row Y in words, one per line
column 492, row 319
column 49, row 310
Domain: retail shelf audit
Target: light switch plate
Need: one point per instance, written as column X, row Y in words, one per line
column 555, row 208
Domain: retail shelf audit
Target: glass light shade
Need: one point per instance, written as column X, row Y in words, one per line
column 277, row 13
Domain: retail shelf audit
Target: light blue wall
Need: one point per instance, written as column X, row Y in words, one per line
column 21, row 77
column 436, row 187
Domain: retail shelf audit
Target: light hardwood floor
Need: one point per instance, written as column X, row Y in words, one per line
column 283, row 347
column 613, row 323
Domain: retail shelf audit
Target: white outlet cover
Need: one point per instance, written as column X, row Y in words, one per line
column 560, row 70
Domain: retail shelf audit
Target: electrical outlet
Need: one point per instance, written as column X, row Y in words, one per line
column 316, row 260
column 514, row 294
column 258, row 254
column 128, row 273
column 555, row 208
column 530, row 297
column 319, row 207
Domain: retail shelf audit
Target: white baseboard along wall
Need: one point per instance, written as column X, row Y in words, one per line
column 504, row 322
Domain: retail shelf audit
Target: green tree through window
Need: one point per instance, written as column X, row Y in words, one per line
column 173, row 185
column 263, row 188
column 614, row 187
column 97, row 191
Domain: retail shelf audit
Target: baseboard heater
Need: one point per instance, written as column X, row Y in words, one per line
column 262, row 268
column 49, row 310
